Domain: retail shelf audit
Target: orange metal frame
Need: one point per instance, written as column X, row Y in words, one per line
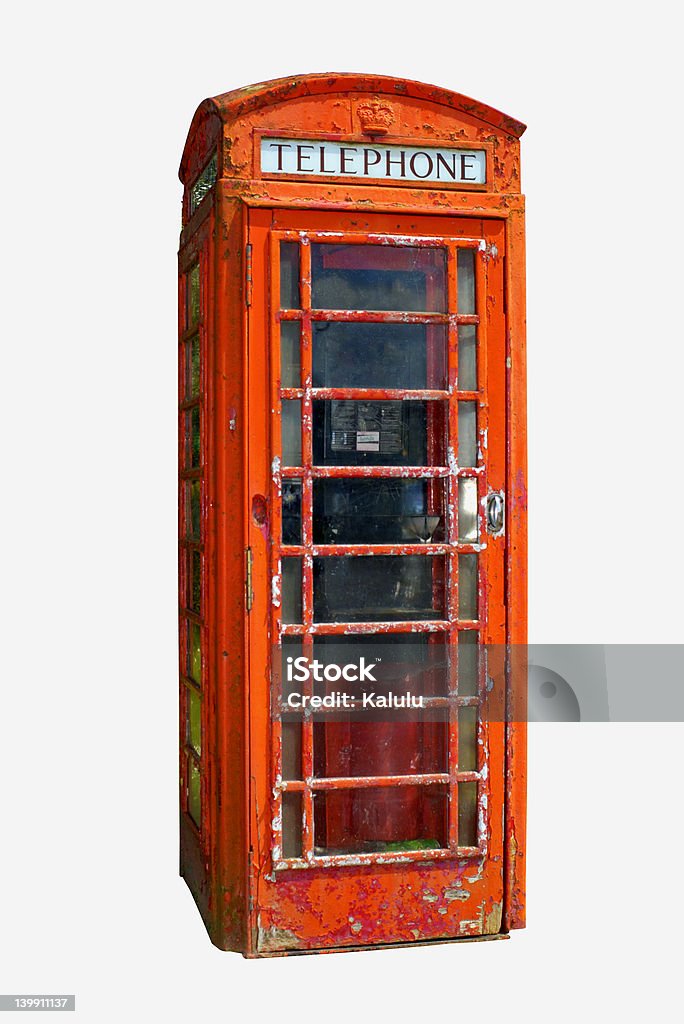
column 251, row 897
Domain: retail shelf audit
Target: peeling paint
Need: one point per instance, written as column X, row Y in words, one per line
column 455, row 893
column 492, row 921
column 275, row 590
column 273, row 939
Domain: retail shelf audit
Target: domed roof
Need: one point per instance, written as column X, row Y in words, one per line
column 230, row 106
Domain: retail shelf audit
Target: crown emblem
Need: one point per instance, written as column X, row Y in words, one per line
column 376, row 118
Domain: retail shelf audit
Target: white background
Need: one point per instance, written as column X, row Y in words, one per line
column 97, row 101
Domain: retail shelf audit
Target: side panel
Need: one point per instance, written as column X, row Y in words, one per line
column 229, row 734
column 196, row 303
column 214, row 846
column 259, row 483
column 516, row 571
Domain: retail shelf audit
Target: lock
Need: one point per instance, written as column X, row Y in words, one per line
column 496, row 509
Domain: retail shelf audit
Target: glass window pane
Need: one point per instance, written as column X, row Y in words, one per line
column 359, row 355
column 466, row 281
column 467, row 739
column 292, row 825
column 195, row 582
column 192, row 437
column 390, row 746
column 194, row 792
column 467, row 510
column 289, row 275
column 291, row 427
column 467, row 814
column 415, row 663
column 389, row 277
column 467, row 358
column 193, row 296
column 352, row 588
column 204, row 184
column 193, row 367
column 291, row 732
column 292, row 647
column 467, row 434
column 379, row 433
column 467, row 586
column 378, row 511
column 292, row 590
column 290, row 358
column 380, row 820
column 193, row 508
column 468, row 652
column 292, row 511
column 194, row 719
column 194, row 652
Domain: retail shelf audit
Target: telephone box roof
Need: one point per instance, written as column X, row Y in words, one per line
column 230, row 106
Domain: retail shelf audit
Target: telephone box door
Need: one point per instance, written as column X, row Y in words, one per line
column 377, row 447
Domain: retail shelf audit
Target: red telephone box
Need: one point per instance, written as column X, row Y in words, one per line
column 352, row 494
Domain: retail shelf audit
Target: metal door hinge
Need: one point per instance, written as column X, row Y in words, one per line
column 248, row 274
column 250, row 865
column 249, row 592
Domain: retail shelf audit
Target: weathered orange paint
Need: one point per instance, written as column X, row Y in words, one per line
column 250, row 902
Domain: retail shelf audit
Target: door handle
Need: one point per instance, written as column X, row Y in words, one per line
column 496, row 512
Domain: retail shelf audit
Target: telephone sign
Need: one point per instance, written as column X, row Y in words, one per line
column 308, row 157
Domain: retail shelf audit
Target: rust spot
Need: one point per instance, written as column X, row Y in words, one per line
column 492, row 922
column 273, row 939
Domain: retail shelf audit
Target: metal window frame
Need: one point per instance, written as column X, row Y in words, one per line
column 307, row 550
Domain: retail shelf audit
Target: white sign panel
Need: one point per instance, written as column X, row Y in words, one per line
column 312, row 158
